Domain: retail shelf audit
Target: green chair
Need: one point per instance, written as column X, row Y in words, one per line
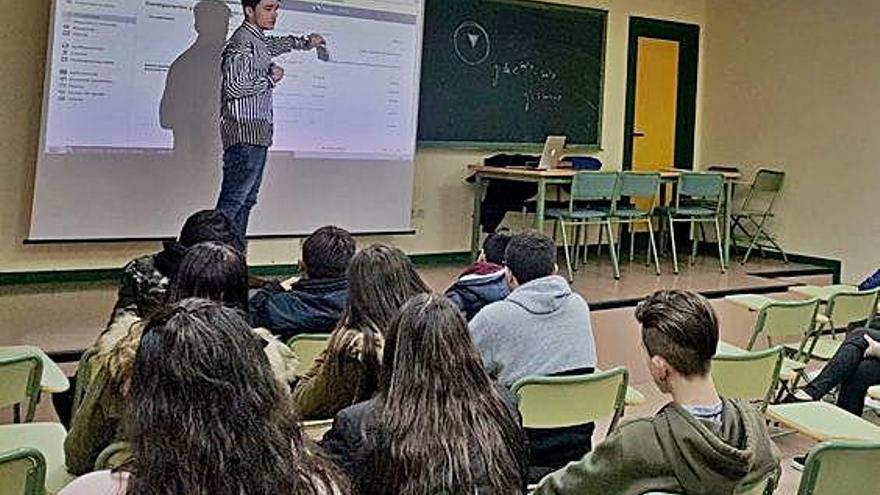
column 841, row 467
column 307, row 347
column 787, row 320
column 115, row 455
column 843, row 308
column 20, row 376
column 757, row 208
column 751, row 376
column 45, row 438
column 697, row 201
column 644, row 186
column 23, row 472
column 587, row 187
column 560, row 401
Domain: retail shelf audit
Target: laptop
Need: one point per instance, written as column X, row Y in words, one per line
column 553, row 147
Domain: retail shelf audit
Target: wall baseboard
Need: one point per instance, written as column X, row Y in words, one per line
column 98, row 275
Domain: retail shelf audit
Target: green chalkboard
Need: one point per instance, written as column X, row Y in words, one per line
column 498, row 72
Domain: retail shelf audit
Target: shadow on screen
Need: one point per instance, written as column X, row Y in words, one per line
column 190, row 106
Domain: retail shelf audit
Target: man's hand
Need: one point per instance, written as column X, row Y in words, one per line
column 873, row 350
column 287, row 284
column 316, row 40
column 276, row 73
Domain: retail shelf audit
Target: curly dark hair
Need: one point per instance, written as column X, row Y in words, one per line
column 206, row 416
column 211, row 270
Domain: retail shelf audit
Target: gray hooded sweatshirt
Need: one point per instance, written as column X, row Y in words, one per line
column 542, row 328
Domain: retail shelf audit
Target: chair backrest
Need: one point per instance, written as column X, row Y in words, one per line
column 767, row 180
column 701, row 185
column 307, row 347
column 22, row 472
column 84, row 371
column 113, row 456
column 784, row 319
column 20, row 376
column 560, row 401
column 763, row 191
column 639, row 184
column 849, row 307
column 839, row 466
column 587, row 186
column 750, row 376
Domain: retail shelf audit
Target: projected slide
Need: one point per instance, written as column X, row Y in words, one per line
column 143, row 75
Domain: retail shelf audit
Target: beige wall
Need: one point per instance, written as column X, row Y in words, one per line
column 788, row 84
column 442, row 202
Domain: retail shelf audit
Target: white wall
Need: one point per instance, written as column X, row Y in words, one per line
column 788, row 84
column 442, row 201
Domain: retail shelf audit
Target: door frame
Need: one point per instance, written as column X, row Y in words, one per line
column 688, row 37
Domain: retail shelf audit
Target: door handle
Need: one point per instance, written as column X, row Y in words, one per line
column 636, row 133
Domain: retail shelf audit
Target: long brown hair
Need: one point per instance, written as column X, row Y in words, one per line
column 444, row 426
column 380, row 280
column 206, row 416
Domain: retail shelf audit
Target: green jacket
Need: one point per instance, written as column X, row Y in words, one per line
column 674, row 452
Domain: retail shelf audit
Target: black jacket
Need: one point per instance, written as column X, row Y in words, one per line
column 353, row 440
column 310, row 306
column 472, row 292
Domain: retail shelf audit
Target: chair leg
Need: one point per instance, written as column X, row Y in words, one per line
column 612, row 250
column 672, row 246
column 758, row 229
column 619, row 236
column 567, row 254
column 632, row 242
column 599, row 246
column 720, row 248
column 653, row 246
column 693, row 242
column 555, row 230
column 574, row 242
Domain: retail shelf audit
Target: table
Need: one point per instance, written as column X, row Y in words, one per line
column 53, row 380
column 562, row 176
column 482, row 174
column 823, row 421
column 48, row 438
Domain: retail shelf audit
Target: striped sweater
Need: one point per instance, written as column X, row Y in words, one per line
column 246, row 94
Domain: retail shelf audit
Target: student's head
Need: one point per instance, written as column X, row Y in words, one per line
column 327, row 252
column 380, row 280
column 206, row 226
column 440, row 412
column 680, row 334
column 529, row 255
column 214, row 271
column 495, row 245
column 204, row 405
column 261, row 13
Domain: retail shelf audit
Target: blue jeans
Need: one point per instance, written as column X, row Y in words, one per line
column 242, row 174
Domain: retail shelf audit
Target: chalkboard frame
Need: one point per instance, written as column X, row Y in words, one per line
column 538, row 146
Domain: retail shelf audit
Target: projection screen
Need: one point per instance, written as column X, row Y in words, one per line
column 130, row 128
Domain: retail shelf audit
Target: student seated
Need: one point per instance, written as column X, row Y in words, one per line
column 313, row 303
column 484, row 281
column 542, row 328
column 700, row 443
column 145, row 280
column 144, row 285
column 437, row 424
column 855, row 367
column 380, row 280
column 206, row 415
column 209, row 270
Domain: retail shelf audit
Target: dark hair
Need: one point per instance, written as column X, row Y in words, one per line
column 444, row 426
column 206, row 415
column 530, row 255
column 327, row 252
column 681, row 327
column 214, row 271
column 495, row 245
column 201, row 226
column 250, row 3
column 380, row 280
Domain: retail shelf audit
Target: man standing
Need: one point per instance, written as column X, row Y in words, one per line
column 249, row 76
